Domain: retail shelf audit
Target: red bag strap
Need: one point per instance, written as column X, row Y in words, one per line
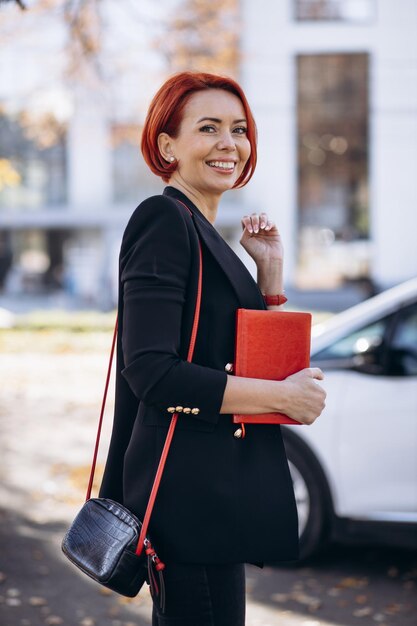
column 174, row 418
column 100, row 421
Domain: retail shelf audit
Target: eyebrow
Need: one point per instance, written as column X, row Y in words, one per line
column 218, row 120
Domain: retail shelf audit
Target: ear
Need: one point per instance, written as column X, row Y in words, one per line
column 165, row 145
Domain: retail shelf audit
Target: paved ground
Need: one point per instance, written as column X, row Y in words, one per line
column 50, row 386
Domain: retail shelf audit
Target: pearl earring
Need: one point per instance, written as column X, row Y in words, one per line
column 172, row 159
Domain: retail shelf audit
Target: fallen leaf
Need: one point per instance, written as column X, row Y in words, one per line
column 37, row 601
column 333, row 592
column 364, row 612
column 104, row 591
column 361, row 599
column 13, row 592
column 393, row 608
column 125, row 600
column 280, row 597
column 54, row 620
column 312, row 602
column 353, row 583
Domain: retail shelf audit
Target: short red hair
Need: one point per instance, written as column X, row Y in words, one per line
column 166, row 111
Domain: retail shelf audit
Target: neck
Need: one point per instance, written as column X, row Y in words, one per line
column 207, row 204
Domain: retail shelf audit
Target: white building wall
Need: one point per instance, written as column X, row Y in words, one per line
column 394, row 142
column 89, row 154
column 270, row 42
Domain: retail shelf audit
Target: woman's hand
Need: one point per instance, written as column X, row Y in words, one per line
column 261, row 239
column 305, row 398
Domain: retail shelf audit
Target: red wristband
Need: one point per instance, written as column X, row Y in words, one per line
column 275, row 300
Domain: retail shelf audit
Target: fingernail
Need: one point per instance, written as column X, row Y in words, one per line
column 256, row 229
column 250, row 229
column 263, row 224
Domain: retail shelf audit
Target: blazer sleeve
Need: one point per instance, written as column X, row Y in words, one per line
column 154, row 276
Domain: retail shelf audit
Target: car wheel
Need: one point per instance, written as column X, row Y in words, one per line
column 311, row 494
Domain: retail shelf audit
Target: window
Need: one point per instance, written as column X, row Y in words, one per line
column 356, row 344
column 333, row 207
column 362, row 11
column 403, row 344
column 32, row 162
column 386, row 347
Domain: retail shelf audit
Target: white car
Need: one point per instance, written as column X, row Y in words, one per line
column 355, row 469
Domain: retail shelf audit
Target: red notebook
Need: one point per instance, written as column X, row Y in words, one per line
column 270, row 345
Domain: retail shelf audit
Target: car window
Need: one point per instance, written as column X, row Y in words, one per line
column 403, row 344
column 356, row 343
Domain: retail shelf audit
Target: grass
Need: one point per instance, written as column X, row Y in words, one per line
column 62, row 332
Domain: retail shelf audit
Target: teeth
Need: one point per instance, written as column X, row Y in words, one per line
column 225, row 165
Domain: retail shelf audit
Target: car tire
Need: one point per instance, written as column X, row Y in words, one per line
column 311, row 493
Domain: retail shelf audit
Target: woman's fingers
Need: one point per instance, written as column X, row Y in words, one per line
column 316, row 372
column 309, row 400
column 256, row 222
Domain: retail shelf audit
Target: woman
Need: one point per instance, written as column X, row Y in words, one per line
column 223, row 501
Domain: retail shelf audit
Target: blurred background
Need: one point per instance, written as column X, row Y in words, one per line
column 333, row 87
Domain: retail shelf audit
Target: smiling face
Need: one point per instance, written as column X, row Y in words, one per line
column 212, row 146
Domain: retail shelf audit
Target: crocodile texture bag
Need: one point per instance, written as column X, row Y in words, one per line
column 102, row 541
column 106, row 541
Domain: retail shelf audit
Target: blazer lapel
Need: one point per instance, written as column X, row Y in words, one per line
column 238, row 275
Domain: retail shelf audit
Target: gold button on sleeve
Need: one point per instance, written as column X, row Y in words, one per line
column 171, row 409
column 186, row 410
column 195, row 411
column 179, row 409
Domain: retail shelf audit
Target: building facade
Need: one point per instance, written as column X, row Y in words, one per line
column 333, row 85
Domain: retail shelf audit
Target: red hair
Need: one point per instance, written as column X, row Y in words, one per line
column 166, row 112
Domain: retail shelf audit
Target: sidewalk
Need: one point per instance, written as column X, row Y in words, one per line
column 51, row 386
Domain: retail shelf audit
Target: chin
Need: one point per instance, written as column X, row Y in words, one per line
column 222, row 186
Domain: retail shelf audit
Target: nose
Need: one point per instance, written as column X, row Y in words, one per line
column 226, row 141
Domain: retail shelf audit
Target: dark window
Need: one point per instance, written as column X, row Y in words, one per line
column 386, row 347
column 403, row 344
column 355, row 344
column 333, row 205
column 362, row 11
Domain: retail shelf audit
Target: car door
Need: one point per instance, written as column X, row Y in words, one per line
column 377, row 419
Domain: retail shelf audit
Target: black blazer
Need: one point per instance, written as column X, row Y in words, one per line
column 221, row 499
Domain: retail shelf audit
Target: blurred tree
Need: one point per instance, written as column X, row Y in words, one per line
column 203, row 35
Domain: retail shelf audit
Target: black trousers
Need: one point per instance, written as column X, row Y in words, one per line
column 202, row 595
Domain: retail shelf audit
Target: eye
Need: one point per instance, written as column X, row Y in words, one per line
column 208, row 129
column 240, row 130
